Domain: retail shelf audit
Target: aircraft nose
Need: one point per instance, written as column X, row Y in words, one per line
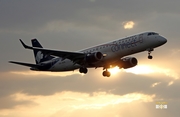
column 162, row 40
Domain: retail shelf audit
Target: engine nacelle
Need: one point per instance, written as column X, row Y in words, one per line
column 128, row 62
column 94, row 57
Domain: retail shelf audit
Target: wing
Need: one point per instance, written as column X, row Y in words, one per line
column 76, row 57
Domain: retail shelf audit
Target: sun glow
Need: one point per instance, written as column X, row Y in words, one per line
column 114, row 70
column 141, row 69
column 149, row 69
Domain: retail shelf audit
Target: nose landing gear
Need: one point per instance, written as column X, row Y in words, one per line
column 149, row 56
column 149, row 53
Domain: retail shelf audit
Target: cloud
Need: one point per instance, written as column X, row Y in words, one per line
column 155, row 84
column 39, row 73
column 76, row 95
column 70, row 102
column 8, row 102
column 152, row 69
column 92, row 0
column 39, row 83
column 128, row 24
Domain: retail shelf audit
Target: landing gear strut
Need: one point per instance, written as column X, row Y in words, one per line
column 83, row 70
column 149, row 53
column 149, row 56
column 106, row 73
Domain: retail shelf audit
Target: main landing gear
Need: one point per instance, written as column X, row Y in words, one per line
column 149, row 53
column 83, row 70
column 106, row 73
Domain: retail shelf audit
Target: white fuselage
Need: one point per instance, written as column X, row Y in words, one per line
column 114, row 50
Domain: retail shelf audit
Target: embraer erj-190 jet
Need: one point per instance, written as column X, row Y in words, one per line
column 107, row 55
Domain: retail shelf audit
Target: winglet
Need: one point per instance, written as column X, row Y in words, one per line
column 25, row 46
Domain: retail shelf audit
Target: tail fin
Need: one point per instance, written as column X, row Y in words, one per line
column 39, row 55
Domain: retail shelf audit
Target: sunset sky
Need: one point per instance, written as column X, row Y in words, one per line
column 76, row 24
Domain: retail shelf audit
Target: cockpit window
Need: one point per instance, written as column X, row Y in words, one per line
column 152, row 33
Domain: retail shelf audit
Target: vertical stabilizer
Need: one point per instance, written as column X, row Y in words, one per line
column 39, row 55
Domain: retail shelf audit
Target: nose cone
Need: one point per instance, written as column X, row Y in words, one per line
column 162, row 40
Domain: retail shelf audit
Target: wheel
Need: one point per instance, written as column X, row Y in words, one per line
column 80, row 70
column 106, row 74
column 150, row 57
column 83, row 70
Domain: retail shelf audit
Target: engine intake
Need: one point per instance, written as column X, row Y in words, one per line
column 128, row 62
column 94, row 57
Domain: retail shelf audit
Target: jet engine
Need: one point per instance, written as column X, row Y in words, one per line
column 94, row 57
column 127, row 62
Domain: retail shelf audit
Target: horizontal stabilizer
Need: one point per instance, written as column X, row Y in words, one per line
column 26, row 64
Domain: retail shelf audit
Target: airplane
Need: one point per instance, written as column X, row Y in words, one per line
column 106, row 55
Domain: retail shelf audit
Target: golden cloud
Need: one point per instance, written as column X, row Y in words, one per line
column 42, row 73
column 68, row 103
column 150, row 69
column 128, row 24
